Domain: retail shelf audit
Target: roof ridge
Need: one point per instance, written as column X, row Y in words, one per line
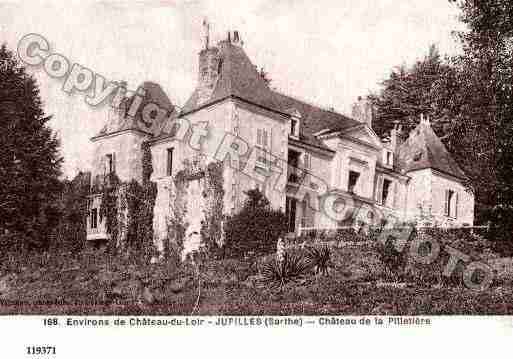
column 309, row 102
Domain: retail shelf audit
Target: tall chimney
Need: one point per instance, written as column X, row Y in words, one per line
column 209, row 60
column 394, row 134
column 206, row 34
column 362, row 111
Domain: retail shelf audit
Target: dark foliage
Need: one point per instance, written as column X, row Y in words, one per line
column 319, row 258
column 292, row 268
column 488, row 59
column 71, row 231
column 109, row 208
column 256, row 228
column 408, row 93
column 29, row 161
column 393, row 259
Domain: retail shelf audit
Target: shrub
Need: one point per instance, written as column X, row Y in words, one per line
column 393, row 259
column 293, row 267
column 319, row 258
column 255, row 229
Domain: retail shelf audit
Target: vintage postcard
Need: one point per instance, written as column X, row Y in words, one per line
column 301, row 171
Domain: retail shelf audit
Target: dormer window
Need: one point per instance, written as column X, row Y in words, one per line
column 294, row 123
column 293, row 126
column 388, row 158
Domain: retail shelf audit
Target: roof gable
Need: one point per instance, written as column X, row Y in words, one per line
column 364, row 134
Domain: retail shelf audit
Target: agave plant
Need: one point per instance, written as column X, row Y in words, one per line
column 319, row 259
column 291, row 268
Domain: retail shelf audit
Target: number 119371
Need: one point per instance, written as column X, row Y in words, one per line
column 40, row 350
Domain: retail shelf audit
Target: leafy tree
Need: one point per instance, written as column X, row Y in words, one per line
column 256, row 228
column 73, row 208
column 488, row 65
column 29, row 161
column 408, row 93
column 467, row 98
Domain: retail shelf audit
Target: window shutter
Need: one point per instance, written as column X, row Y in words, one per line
column 114, row 162
column 379, row 190
column 259, row 137
column 446, row 210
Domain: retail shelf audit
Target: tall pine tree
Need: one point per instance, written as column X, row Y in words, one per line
column 29, row 161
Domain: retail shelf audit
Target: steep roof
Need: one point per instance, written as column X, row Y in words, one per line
column 423, row 149
column 153, row 94
column 313, row 118
column 240, row 78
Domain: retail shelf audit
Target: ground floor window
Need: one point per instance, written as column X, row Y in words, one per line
column 94, row 218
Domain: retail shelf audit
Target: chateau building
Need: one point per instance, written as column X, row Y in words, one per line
column 314, row 150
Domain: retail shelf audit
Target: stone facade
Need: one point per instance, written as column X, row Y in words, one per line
column 331, row 152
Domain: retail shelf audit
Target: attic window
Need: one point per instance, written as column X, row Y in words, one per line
column 293, row 124
column 294, row 127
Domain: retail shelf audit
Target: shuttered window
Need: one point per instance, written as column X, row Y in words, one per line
column 263, row 147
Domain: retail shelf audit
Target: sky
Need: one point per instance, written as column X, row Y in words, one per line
column 327, row 52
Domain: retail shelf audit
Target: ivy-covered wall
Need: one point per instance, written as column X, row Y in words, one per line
column 206, row 209
column 127, row 208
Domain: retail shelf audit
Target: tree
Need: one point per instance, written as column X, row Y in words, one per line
column 462, row 96
column 29, row 160
column 408, row 93
column 488, row 65
column 256, row 228
column 74, row 211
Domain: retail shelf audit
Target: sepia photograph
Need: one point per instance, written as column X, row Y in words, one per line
column 255, row 163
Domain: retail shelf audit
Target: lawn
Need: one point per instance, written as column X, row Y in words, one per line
column 92, row 283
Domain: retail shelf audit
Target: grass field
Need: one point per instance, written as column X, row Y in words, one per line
column 93, row 283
